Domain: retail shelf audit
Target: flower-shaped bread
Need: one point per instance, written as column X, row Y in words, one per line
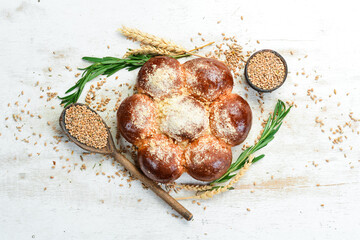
column 184, row 118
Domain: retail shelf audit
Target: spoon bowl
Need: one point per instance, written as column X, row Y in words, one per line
column 108, row 149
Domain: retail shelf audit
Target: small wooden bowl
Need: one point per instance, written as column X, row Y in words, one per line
column 247, row 76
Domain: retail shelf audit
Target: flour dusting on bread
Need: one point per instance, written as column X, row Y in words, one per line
column 183, row 118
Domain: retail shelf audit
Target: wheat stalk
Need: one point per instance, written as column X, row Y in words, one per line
column 152, row 40
column 148, row 50
column 210, row 193
column 192, row 187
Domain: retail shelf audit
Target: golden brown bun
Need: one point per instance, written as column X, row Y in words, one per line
column 183, row 118
column 207, row 78
column 208, row 158
column 136, row 118
column 160, row 77
column 230, row 119
column 160, row 159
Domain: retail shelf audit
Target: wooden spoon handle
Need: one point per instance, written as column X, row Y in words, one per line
column 153, row 186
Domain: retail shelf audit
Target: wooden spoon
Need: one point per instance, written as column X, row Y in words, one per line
column 111, row 150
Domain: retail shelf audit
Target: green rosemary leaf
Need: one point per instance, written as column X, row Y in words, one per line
column 284, row 114
column 267, row 124
column 258, row 158
column 92, row 59
column 263, row 143
column 72, row 88
column 111, row 58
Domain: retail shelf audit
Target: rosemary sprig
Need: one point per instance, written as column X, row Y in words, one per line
column 105, row 66
column 273, row 125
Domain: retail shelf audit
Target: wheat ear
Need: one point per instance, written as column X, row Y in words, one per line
column 192, row 187
column 148, row 50
column 210, row 193
column 152, row 40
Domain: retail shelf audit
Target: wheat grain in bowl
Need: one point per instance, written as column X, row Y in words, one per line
column 266, row 70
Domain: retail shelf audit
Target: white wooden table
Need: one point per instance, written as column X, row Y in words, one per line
column 81, row 205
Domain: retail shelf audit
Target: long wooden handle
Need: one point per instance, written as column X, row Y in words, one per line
column 153, row 186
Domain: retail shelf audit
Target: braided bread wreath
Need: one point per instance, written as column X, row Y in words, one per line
column 184, row 118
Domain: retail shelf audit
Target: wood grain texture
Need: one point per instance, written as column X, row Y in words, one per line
column 82, row 205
